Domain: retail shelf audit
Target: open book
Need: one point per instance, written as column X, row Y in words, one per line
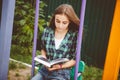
column 45, row 62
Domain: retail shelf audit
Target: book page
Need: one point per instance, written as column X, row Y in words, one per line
column 59, row 61
column 48, row 63
column 42, row 58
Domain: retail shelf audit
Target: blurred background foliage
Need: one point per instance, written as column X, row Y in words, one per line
column 23, row 29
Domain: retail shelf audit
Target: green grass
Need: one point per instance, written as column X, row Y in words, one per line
column 22, row 54
column 90, row 73
column 14, row 66
column 17, row 74
column 15, row 71
column 23, row 58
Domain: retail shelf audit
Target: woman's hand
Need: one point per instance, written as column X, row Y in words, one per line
column 54, row 67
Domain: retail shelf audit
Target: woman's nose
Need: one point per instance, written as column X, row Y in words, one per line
column 61, row 25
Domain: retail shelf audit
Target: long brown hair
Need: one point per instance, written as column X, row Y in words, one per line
column 70, row 13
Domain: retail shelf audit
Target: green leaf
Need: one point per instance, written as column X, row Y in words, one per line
column 22, row 22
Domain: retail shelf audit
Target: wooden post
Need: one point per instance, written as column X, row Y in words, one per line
column 6, row 26
column 112, row 63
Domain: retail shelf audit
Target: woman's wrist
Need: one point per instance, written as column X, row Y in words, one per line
column 60, row 66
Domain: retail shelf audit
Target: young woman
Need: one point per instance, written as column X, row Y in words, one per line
column 59, row 41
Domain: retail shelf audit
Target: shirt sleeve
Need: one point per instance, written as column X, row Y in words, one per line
column 43, row 43
column 73, row 48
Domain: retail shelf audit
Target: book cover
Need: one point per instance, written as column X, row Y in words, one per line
column 45, row 62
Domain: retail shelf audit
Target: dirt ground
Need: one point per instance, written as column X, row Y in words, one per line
column 20, row 74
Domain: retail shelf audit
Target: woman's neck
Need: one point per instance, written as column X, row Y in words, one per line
column 60, row 34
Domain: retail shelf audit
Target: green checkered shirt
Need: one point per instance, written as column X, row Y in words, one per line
column 67, row 47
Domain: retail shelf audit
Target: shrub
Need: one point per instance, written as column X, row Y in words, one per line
column 23, row 29
column 92, row 73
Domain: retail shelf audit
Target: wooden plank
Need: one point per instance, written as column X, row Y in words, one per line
column 112, row 63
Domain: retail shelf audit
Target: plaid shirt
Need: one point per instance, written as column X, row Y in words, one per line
column 67, row 47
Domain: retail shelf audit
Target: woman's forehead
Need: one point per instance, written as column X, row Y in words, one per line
column 61, row 17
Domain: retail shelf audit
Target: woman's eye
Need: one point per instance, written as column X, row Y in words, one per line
column 64, row 22
column 58, row 21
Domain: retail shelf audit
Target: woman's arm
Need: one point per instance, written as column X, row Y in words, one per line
column 63, row 66
column 43, row 53
column 68, row 64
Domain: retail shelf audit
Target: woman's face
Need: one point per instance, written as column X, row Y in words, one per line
column 61, row 22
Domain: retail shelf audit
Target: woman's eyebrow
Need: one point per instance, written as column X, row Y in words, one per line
column 62, row 21
column 56, row 19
